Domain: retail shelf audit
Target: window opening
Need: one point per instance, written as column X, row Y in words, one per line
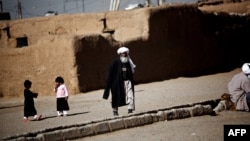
column 22, row 42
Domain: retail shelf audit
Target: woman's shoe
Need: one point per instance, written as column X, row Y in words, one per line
column 38, row 117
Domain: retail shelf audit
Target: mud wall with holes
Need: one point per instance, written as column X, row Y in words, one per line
column 122, row 24
column 165, row 42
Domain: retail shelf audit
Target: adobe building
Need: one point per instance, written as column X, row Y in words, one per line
column 165, row 42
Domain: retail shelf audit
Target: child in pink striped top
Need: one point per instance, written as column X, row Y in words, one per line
column 61, row 97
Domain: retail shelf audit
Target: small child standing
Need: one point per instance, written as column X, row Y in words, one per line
column 61, row 97
column 29, row 106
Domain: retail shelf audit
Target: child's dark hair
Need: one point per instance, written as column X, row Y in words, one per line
column 59, row 79
column 27, row 83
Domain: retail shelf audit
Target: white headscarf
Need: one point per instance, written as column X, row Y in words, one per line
column 246, row 68
column 124, row 49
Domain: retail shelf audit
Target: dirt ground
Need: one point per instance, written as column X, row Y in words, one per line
column 90, row 106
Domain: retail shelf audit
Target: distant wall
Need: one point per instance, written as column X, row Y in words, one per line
column 34, row 29
column 165, row 42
